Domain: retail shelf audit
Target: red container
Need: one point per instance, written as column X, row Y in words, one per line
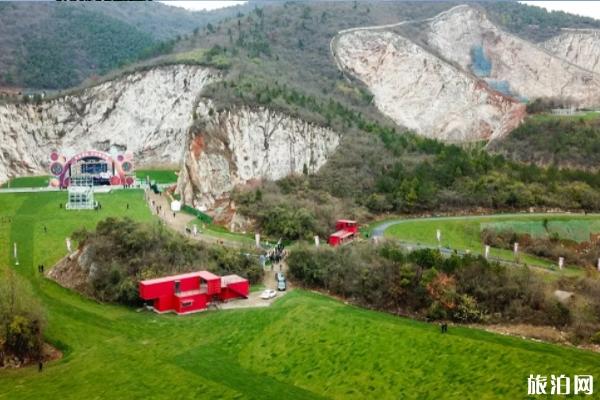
column 187, row 293
column 346, row 231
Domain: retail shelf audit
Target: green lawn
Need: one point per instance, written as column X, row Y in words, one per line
column 305, row 346
column 27, row 181
column 464, row 233
column 578, row 230
column 590, row 115
column 157, row 175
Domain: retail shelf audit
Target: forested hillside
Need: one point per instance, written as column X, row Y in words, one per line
column 279, row 57
column 46, row 45
column 572, row 141
column 533, row 23
column 57, row 45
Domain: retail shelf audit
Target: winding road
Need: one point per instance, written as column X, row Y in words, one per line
column 378, row 232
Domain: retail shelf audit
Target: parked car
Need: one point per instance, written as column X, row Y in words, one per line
column 268, row 294
column 281, row 283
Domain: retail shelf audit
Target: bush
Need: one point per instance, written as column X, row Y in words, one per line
column 463, row 289
column 199, row 214
column 24, row 338
column 121, row 252
column 22, row 320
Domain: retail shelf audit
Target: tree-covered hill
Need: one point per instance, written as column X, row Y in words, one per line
column 51, row 45
column 57, row 45
column 567, row 141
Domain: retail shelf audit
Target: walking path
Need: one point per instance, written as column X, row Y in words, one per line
column 379, row 232
column 160, row 206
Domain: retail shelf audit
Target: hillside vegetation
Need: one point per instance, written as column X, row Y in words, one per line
column 123, row 252
column 534, row 23
column 57, row 45
column 305, row 345
column 381, row 171
column 569, row 141
column 463, row 289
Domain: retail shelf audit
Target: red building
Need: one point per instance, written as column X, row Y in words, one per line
column 346, row 230
column 192, row 292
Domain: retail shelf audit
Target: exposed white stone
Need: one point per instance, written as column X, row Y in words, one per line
column 424, row 93
column 578, row 46
column 147, row 113
column 530, row 70
column 241, row 145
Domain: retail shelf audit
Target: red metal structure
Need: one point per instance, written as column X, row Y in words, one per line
column 346, row 230
column 192, row 292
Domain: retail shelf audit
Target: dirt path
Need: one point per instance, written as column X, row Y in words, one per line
column 160, row 206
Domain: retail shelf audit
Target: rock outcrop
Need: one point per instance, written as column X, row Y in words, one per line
column 147, row 113
column 458, row 77
column 466, row 36
column 423, row 92
column 578, row 46
column 241, row 145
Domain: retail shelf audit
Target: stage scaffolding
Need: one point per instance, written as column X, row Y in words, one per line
column 81, row 198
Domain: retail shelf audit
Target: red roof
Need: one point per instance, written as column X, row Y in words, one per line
column 207, row 276
column 342, row 234
column 229, row 279
column 346, row 221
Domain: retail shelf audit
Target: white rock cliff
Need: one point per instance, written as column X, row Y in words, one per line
column 424, row 93
column 526, row 69
column 238, row 146
column 578, row 46
column 458, row 77
column 147, row 113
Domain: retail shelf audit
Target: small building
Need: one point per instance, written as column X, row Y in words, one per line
column 346, row 230
column 192, row 292
column 81, row 198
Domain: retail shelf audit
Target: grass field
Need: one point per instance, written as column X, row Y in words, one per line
column 578, row 230
column 27, row 181
column 305, row 346
column 587, row 116
column 464, row 233
column 158, row 175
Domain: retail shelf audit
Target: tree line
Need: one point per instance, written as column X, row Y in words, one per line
column 466, row 289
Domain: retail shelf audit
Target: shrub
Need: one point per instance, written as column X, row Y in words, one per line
column 463, row 289
column 22, row 319
column 121, row 252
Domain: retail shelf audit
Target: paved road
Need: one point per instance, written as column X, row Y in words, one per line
column 379, row 231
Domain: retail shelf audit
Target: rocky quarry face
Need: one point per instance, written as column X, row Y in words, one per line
column 243, row 145
column 424, row 93
column 578, row 46
column 462, row 78
column 516, row 66
column 147, row 113
column 151, row 114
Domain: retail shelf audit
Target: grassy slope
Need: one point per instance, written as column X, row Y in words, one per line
column 464, row 232
column 26, row 182
column 158, row 175
column 305, row 346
